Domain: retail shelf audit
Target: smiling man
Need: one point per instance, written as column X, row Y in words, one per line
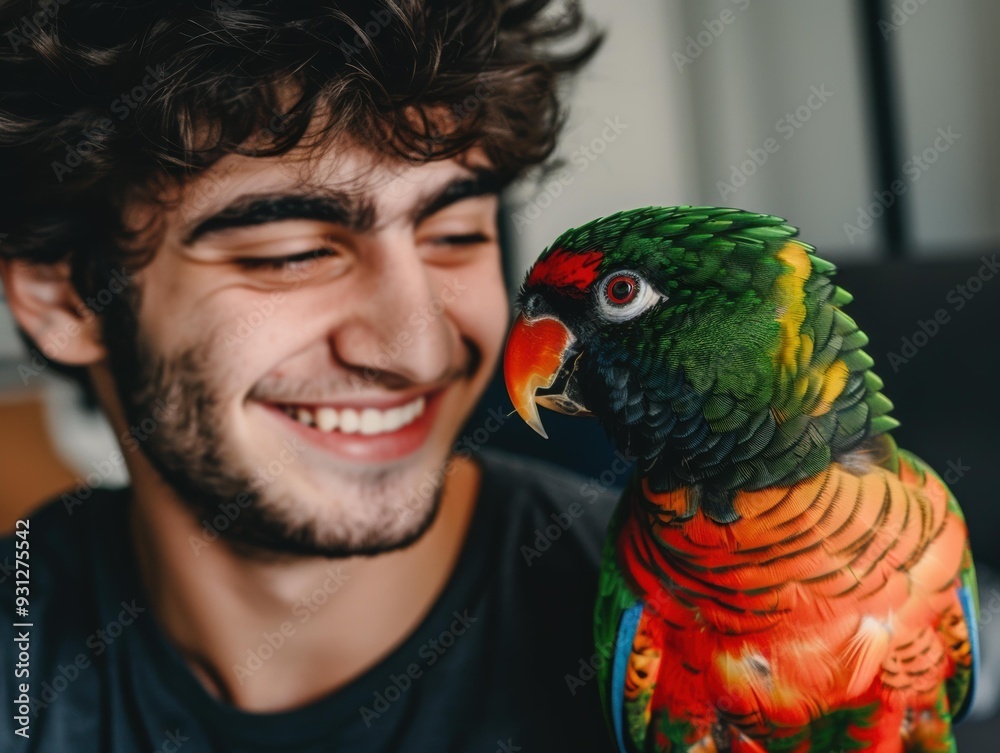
column 350, row 264
column 264, row 235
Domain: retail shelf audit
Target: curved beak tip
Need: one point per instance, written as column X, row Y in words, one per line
column 535, row 422
column 534, row 354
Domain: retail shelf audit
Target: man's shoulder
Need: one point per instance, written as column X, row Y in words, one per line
column 548, row 503
column 49, row 610
column 48, row 563
column 51, row 543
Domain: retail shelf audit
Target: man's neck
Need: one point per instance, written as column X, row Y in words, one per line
column 327, row 620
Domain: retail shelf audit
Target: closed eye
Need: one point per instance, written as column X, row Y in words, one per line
column 467, row 239
column 279, row 262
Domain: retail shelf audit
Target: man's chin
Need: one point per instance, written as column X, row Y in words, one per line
column 273, row 539
column 367, row 512
column 336, row 496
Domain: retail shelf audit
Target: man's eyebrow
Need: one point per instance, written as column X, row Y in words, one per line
column 248, row 211
column 336, row 207
column 482, row 183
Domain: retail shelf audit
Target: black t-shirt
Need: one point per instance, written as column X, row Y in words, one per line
column 502, row 662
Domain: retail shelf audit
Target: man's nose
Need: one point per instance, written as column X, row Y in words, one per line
column 399, row 331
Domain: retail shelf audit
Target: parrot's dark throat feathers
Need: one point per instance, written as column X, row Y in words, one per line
column 663, row 424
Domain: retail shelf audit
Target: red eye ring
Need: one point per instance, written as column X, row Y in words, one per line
column 621, row 289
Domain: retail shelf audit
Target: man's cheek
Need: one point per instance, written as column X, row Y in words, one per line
column 482, row 314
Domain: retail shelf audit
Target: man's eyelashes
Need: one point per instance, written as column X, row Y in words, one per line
column 466, row 239
column 278, row 262
column 308, row 257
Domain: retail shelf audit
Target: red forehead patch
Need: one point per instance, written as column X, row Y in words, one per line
column 571, row 271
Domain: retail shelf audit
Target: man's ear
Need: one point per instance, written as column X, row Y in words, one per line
column 46, row 305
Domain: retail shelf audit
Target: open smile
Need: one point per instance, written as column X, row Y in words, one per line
column 348, row 420
column 373, row 431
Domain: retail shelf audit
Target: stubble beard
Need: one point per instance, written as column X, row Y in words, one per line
column 372, row 511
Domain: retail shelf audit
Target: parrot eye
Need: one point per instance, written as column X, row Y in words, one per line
column 624, row 295
column 621, row 289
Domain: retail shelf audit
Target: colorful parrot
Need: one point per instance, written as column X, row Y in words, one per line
column 778, row 575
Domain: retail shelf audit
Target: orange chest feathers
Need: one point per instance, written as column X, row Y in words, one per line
column 836, row 589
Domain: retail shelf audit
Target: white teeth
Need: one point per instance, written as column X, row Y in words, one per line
column 366, row 421
column 392, row 419
column 350, row 421
column 326, row 419
column 371, row 421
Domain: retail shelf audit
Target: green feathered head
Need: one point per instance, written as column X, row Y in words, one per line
column 706, row 340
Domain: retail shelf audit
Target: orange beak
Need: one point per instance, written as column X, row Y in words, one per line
column 536, row 350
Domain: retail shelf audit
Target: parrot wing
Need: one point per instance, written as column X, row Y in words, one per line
column 616, row 620
column 963, row 639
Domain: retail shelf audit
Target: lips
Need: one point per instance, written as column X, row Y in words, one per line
column 375, row 432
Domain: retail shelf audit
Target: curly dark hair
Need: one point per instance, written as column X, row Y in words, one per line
column 102, row 101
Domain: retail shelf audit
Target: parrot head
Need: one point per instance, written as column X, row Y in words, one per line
column 696, row 334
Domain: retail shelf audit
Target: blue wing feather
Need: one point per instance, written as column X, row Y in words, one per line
column 623, row 649
column 967, row 599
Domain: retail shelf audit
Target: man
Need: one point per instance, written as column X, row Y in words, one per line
column 264, row 233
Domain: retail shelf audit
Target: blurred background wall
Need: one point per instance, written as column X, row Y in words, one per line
column 870, row 125
column 702, row 85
